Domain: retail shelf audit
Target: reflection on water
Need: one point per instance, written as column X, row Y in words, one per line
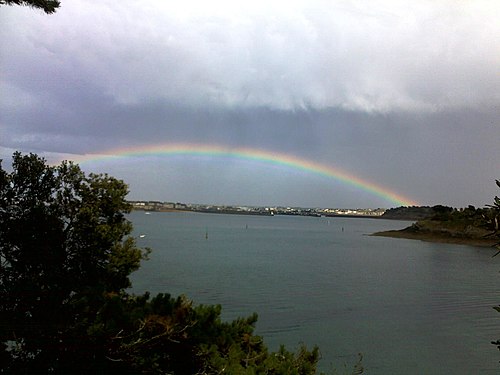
column 410, row 307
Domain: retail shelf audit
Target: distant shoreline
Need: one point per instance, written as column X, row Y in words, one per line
column 436, row 237
column 262, row 213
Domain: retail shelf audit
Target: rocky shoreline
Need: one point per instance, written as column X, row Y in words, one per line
column 437, row 236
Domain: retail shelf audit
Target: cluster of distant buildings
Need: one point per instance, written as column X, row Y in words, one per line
column 255, row 210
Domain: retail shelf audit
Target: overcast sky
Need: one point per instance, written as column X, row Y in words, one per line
column 401, row 94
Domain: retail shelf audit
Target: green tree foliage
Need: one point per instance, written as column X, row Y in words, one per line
column 171, row 335
column 48, row 6
column 63, row 246
column 65, row 258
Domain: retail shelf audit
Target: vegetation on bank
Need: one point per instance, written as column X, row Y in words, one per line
column 408, row 213
column 473, row 226
column 66, row 255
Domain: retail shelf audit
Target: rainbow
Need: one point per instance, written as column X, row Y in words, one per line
column 252, row 154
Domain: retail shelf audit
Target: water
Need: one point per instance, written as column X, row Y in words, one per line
column 409, row 307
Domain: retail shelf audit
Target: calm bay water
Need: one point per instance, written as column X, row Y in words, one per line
column 410, row 307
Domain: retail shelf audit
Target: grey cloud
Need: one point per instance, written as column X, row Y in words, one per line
column 377, row 56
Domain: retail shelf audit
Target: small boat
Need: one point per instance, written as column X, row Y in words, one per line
column 142, row 235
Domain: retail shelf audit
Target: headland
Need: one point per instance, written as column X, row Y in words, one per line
column 469, row 226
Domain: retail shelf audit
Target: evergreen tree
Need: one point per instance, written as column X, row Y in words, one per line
column 64, row 245
column 48, row 6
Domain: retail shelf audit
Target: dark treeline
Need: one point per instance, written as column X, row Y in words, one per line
column 438, row 212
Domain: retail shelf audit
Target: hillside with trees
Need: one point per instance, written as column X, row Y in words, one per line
column 470, row 225
column 408, row 213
